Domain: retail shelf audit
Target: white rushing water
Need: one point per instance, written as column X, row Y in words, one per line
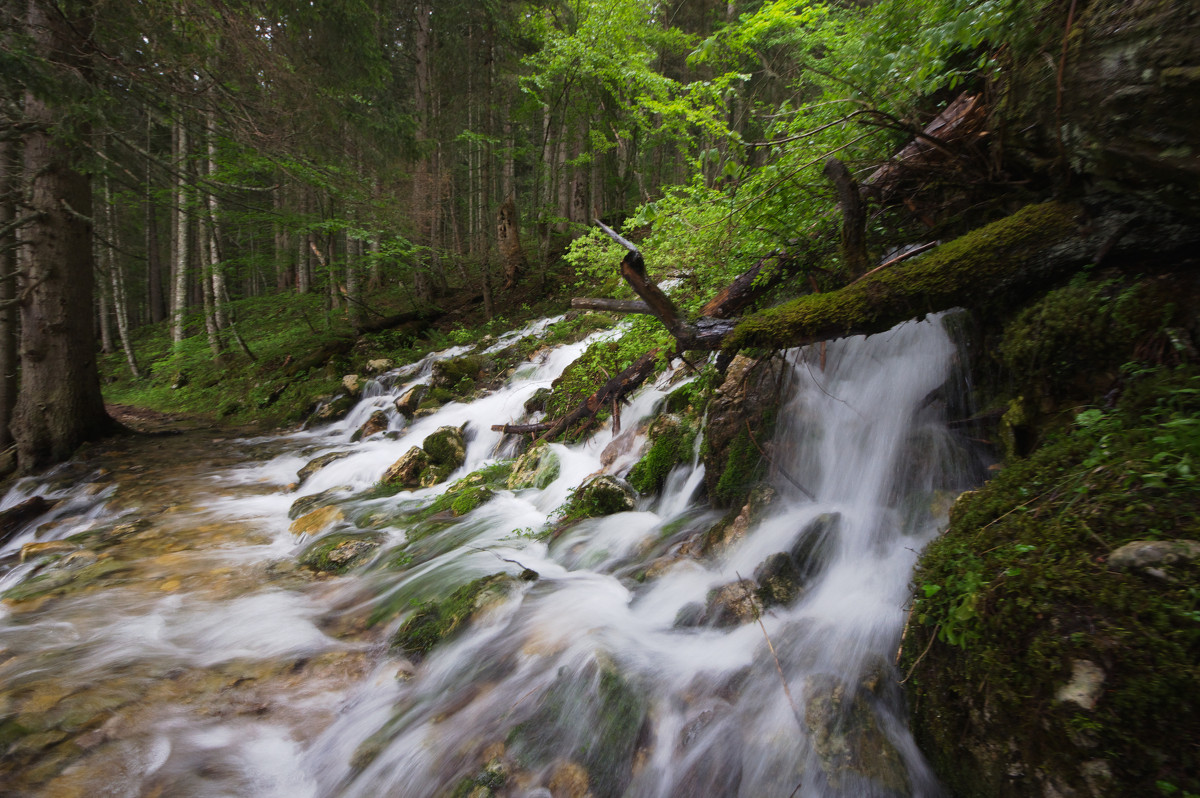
column 610, row 674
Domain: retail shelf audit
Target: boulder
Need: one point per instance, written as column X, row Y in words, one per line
column 379, row 365
column 406, row 471
column 601, row 495
column 407, row 404
column 446, row 446
column 317, row 463
column 378, row 422
column 353, row 384
column 536, row 468
column 733, row 604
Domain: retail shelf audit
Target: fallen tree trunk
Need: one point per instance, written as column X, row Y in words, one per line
column 999, row 262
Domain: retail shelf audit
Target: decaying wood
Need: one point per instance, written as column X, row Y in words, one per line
column 522, row 429
column 751, row 285
column 611, row 305
column 854, row 217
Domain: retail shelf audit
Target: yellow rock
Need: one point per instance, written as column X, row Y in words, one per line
column 169, row 586
column 37, row 549
column 317, row 521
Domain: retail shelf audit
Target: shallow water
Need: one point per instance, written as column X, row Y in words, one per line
column 170, row 644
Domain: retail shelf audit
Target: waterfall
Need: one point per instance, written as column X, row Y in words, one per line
column 220, row 667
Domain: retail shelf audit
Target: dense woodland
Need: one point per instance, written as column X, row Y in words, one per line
column 385, row 158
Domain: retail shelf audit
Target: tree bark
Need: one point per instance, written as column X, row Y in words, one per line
column 180, row 242
column 854, row 218
column 59, row 405
column 8, row 285
column 116, row 277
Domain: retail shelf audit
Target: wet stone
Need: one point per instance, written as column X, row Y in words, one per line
column 407, row 404
column 407, row 470
column 377, row 423
column 317, row 463
column 317, row 521
column 306, row 504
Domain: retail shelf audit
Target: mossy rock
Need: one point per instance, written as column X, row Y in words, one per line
column 600, row 496
column 338, row 553
column 407, row 404
column 1021, row 594
column 459, row 375
column 446, row 446
column 672, row 443
column 333, row 409
column 66, row 578
column 535, row 468
column 406, row 472
column 436, row 620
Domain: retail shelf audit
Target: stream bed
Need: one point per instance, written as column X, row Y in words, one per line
column 169, row 627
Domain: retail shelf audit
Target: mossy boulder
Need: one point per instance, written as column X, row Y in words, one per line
column 435, row 620
column 1038, row 663
column 446, row 446
column 339, row 552
column 537, row 467
column 672, row 442
column 600, row 496
column 406, row 472
column 460, row 375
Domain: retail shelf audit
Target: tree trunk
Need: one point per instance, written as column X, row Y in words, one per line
column 59, row 405
column 216, row 273
column 116, row 277
column 422, row 191
column 206, row 286
column 354, row 299
column 154, row 276
column 180, row 244
column 8, row 283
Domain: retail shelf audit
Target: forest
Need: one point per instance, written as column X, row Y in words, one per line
column 250, row 219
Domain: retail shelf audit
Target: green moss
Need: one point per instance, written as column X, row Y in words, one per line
column 673, row 445
column 433, row 621
column 1018, row 589
column 338, row 553
column 978, row 266
column 65, row 581
column 600, row 496
column 744, row 467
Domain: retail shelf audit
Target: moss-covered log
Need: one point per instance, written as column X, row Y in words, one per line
column 984, row 265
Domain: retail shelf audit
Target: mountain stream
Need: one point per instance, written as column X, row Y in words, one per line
column 160, row 636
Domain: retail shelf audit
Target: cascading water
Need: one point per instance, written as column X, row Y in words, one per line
column 200, row 660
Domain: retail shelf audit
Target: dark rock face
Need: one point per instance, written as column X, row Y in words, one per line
column 1130, row 116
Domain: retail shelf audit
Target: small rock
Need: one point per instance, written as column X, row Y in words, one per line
column 353, row 384
column 317, row 463
column 317, row 521
column 569, row 780
column 602, row 495
column 1149, row 556
column 378, row 422
column 48, row 547
column 306, row 504
column 1085, row 687
column 379, row 365
column 536, row 468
